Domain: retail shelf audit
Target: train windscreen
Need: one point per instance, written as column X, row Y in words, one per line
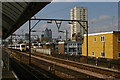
column 23, row 45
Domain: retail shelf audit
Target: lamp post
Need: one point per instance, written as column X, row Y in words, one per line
column 87, row 41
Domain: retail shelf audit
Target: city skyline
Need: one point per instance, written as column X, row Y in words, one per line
column 101, row 18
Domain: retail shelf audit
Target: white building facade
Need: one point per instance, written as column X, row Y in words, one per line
column 78, row 13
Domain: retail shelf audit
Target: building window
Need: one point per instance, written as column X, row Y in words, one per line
column 65, row 49
column 118, row 54
column 93, row 54
column 94, row 39
column 118, row 38
column 102, row 38
column 102, row 54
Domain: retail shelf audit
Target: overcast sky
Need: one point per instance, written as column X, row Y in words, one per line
column 103, row 16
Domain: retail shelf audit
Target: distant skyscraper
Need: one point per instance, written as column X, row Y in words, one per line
column 78, row 13
column 26, row 36
column 47, row 35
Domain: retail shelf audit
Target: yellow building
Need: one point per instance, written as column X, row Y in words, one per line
column 104, row 44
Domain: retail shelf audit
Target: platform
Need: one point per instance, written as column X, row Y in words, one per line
column 8, row 75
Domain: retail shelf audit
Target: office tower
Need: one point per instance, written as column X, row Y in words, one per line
column 47, row 35
column 26, row 36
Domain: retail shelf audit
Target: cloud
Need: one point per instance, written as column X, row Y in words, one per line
column 85, row 0
column 100, row 19
column 104, row 17
column 43, row 27
column 104, row 28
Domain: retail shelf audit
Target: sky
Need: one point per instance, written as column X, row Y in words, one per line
column 102, row 16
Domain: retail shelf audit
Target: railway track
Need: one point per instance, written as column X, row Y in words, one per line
column 25, row 72
column 30, row 72
column 97, row 70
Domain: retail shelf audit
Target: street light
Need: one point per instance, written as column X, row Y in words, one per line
column 70, row 22
column 49, row 21
column 33, row 31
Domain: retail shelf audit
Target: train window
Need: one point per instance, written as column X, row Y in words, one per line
column 35, row 44
column 22, row 45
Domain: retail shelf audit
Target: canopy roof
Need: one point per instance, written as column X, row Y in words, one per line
column 15, row 14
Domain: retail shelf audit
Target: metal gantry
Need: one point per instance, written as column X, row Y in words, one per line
column 58, row 24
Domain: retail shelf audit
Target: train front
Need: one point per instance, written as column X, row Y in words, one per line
column 23, row 47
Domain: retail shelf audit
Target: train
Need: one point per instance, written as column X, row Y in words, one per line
column 24, row 46
column 20, row 47
column 36, row 45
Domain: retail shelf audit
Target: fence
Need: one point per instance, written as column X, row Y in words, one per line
column 103, row 62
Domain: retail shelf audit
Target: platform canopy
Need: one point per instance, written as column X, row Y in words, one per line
column 15, row 14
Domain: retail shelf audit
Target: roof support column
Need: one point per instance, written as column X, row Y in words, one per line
column 29, row 42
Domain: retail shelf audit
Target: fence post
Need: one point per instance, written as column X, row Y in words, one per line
column 96, row 61
column 108, row 60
